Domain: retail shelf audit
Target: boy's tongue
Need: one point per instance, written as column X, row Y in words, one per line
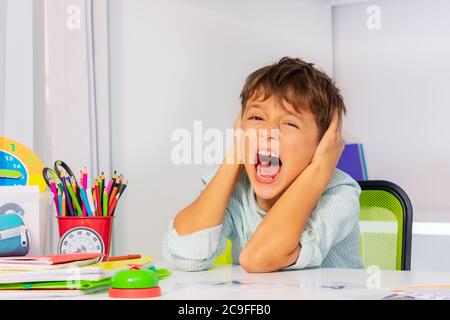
column 268, row 167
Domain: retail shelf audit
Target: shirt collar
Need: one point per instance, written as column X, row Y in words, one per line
column 259, row 210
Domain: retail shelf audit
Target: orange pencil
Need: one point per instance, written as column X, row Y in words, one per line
column 113, row 205
column 94, row 197
column 74, row 187
column 113, row 194
column 128, row 257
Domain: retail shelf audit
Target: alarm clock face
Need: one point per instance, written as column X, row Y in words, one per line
column 19, row 165
column 14, row 172
column 81, row 240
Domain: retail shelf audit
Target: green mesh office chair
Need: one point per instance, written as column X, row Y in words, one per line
column 385, row 224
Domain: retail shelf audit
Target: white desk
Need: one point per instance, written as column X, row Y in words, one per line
column 299, row 284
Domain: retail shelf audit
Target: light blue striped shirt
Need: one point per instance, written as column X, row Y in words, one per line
column 330, row 238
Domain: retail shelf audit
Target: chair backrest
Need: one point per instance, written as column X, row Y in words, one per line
column 225, row 257
column 385, row 224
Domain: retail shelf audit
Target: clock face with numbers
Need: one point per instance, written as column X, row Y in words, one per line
column 81, row 240
column 19, row 166
column 14, row 172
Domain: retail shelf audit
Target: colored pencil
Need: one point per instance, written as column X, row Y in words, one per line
column 109, row 187
column 123, row 187
column 69, row 179
column 128, row 257
column 99, row 199
column 113, row 194
column 113, row 205
column 76, row 191
column 105, row 202
column 94, row 197
column 119, row 181
column 59, row 203
column 74, row 186
column 83, row 207
column 87, row 207
column 85, row 177
column 113, row 182
column 55, row 194
column 74, row 198
column 63, row 200
column 66, row 192
column 59, row 185
column 100, row 191
column 91, row 202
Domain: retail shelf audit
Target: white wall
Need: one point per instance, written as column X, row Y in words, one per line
column 173, row 62
column 71, row 99
column 2, row 62
column 17, row 71
column 395, row 81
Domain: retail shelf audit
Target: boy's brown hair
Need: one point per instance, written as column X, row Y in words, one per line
column 298, row 83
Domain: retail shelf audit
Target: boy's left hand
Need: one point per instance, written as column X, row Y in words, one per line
column 329, row 149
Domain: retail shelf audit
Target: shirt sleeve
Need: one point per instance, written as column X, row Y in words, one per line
column 196, row 251
column 332, row 220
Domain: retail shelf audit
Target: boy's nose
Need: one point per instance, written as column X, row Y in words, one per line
column 269, row 133
column 269, row 139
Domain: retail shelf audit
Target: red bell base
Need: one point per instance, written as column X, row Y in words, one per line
column 135, row 293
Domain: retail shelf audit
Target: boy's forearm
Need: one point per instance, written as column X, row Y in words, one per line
column 275, row 244
column 208, row 210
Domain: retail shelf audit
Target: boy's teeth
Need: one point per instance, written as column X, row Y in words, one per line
column 267, row 153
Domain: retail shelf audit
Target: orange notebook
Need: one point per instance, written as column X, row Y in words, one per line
column 52, row 259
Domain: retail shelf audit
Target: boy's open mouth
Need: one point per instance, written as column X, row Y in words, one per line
column 268, row 166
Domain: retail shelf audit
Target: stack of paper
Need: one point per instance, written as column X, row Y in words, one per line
column 54, row 261
column 58, row 277
column 421, row 292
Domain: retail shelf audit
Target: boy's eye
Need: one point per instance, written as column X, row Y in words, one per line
column 254, row 118
column 291, row 124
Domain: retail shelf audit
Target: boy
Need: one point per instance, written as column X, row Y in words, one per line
column 278, row 195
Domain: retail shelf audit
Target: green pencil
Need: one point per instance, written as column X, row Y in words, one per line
column 100, row 190
column 74, row 199
column 105, row 202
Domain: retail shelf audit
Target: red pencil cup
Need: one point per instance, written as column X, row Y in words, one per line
column 85, row 234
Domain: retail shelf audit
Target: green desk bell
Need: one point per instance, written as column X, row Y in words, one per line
column 137, row 283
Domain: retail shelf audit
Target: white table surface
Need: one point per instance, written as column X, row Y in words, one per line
column 216, row 284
